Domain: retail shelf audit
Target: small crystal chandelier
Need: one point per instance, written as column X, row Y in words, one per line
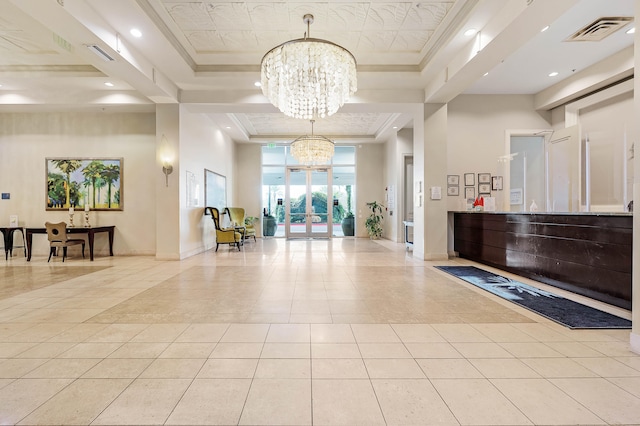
column 308, row 77
column 312, row 149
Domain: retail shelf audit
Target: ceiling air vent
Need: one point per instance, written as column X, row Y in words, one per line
column 600, row 28
column 100, row 52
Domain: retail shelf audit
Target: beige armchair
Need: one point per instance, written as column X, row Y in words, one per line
column 236, row 214
column 224, row 235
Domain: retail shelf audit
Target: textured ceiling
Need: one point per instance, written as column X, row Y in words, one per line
column 212, row 27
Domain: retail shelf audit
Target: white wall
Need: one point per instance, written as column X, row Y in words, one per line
column 396, row 148
column 369, row 183
column 26, row 139
column 248, row 181
column 203, row 145
column 476, row 133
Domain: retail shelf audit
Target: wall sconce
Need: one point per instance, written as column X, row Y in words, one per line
column 167, row 169
column 165, row 153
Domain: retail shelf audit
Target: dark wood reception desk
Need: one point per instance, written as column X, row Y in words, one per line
column 91, row 231
column 585, row 253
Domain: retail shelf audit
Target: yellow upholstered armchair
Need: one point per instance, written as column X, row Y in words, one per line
column 236, row 214
column 224, row 235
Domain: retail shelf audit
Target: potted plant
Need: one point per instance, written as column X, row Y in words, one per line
column 269, row 225
column 373, row 223
column 348, row 225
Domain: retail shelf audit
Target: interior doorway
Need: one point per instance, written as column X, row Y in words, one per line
column 308, row 202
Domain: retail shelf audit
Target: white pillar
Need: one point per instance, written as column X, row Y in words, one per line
column 167, row 208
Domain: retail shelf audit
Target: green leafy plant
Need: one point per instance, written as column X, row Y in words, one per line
column 250, row 220
column 373, row 223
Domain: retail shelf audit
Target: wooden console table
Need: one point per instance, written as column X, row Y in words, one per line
column 79, row 230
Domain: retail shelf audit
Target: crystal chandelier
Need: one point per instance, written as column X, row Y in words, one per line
column 308, row 77
column 312, row 149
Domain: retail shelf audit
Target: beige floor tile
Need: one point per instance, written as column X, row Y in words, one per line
column 393, row 369
column 345, row 402
column 374, row 333
column 46, row 350
column 195, row 407
column 353, row 319
column 412, row 402
column 503, row 333
column 332, row 333
column 173, row 369
column 160, row 333
column 432, row 350
column 558, row 367
column 630, row 384
column 139, row 350
column 117, row 333
column 335, row 350
column 237, row 350
column 9, row 350
column 504, row 368
column 144, row 402
column 338, row 369
column 383, row 350
column 278, row 402
column 91, row 350
column 79, row 403
column 21, row 397
column 289, row 333
column 18, row 367
column 417, row 333
column 245, row 333
column 283, row 369
column 478, row 402
column 607, row 367
column 612, row 349
column 203, row 333
column 448, row 369
column 481, row 350
column 460, row 333
column 228, row 369
column 310, row 319
column 574, row 349
column 603, row 398
column 118, row 369
column 530, row 350
column 68, row 368
column 286, row 350
column 545, row 404
column 188, row 350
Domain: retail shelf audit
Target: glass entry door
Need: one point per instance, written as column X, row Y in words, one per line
column 308, row 202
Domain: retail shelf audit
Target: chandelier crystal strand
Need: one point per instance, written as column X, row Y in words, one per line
column 308, row 78
column 312, row 149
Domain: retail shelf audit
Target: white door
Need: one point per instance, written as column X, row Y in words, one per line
column 308, row 202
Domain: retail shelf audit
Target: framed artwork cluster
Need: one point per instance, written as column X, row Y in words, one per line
column 453, row 185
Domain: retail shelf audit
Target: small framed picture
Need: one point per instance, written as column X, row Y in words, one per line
column 469, row 179
column 484, row 188
column 470, row 192
column 453, row 191
column 484, row 177
column 496, row 183
column 453, row 180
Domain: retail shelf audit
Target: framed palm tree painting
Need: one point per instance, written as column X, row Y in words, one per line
column 81, row 182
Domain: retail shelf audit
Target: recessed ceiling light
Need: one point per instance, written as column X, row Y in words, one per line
column 395, row 127
column 227, row 127
column 544, row 29
column 257, row 84
column 136, row 32
column 553, row 74
column 470, row 32
column 485, row 74
column 108, row 83
column 631, row 30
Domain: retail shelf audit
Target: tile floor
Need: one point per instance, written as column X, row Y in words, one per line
column 341, row 332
